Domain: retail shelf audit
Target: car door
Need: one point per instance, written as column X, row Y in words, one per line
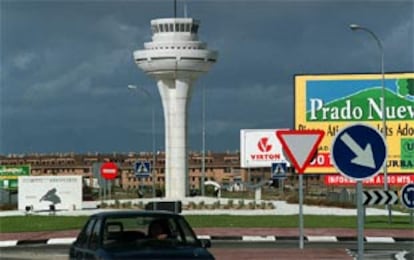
column 81, row 248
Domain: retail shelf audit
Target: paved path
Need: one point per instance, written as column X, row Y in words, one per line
column 234, row 232
column 281, row 208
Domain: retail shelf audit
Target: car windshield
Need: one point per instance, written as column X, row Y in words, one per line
column 147, row 231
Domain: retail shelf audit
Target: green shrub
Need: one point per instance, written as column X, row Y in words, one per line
column 201, row 205
column 216, row 205
column 230, row 204
column 252, row 205
column 126, row 205
column 192, row 205
column 103, row 205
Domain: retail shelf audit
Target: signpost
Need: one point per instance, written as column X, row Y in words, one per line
column 379, row 197
column 278, row 173
column 359, row 152
column 109, row 171
column 142, row 169
column 407, row 198
column 278, row 170
column 300, row 147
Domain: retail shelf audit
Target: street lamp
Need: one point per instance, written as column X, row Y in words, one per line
column 203, row 163
column 148, row 94
column 355, row 27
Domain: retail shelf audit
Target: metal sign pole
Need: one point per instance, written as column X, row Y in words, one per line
column 104, row 193
column 110, row 184
column 301, row 211
column 360, row 213
column 100, row 188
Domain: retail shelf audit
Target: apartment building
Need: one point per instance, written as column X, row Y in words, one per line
column 223, row 168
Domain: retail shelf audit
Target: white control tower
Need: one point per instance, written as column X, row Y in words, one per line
column 175, row 59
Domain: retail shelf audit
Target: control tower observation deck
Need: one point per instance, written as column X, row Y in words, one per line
column 175, row 58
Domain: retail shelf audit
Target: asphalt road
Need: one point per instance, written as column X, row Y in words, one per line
column 249, row 250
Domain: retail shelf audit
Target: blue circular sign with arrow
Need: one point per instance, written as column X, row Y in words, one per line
column 359, row 151
column 407, row 195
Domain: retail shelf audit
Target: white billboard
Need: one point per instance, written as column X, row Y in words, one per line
column 260, row 148
column 39, row 192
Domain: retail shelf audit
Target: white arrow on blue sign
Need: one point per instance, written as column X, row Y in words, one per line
column 407, row 195
column 359, row 151
column 142, row 169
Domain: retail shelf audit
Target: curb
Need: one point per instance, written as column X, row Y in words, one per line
column 310, row 239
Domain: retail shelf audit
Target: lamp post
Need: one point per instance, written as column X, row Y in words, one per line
column 148, row 94
column 355, row 27
column 203, row 163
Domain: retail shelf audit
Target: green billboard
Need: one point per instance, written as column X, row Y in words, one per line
column 10, row 173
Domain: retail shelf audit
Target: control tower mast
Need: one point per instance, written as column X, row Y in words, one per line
column 175, row 58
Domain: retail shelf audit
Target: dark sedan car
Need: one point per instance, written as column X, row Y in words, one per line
column 138, row 235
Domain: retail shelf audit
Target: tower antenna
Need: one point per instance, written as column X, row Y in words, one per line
column 185, row 10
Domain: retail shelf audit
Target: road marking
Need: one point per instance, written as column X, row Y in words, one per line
column 61, row 241
column 259, row 238
column 322, row 239
column 204, row 237
column 380, row 239
column 7, row 243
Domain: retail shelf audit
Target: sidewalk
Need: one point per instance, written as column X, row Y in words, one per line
column 243, row 234
column 232, row 234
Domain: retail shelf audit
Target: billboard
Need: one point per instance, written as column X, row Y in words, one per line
column 260, row 148
column 64, row 192
column 331, row 102
column 10, row 173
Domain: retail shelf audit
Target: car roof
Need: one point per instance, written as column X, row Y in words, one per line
column 130, row 213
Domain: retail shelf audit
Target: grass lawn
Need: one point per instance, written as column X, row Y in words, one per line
column 33, row 223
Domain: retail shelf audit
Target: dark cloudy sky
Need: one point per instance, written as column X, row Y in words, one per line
column 65, row 67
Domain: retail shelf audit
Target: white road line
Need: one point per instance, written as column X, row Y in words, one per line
column 7, row 243
column 322, row 239
column 204, row 237
column 258, row 238
column 380, row 239
column 61, row 241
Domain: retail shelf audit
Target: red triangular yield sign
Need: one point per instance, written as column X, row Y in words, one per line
column 300, row 146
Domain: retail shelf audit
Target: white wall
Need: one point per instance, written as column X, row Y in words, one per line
column 65, row 192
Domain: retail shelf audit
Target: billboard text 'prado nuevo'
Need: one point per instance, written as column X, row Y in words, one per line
column 330, row 102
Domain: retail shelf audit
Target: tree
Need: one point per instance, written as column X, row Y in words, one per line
column 406, row 87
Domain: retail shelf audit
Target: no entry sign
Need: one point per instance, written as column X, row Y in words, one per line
column 109, row 170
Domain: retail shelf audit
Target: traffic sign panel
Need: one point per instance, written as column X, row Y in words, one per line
column 279, row 170
column 300, row 146
column 407, row 195
column 109, row 170
column 359, row 151
column 142, row 169
column 379, row 197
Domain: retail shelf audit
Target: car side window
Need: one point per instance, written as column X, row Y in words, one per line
column 95, row 235
column 86, row 233
column 187, row 232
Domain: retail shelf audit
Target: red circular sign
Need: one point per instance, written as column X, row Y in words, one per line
column 109, row 170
